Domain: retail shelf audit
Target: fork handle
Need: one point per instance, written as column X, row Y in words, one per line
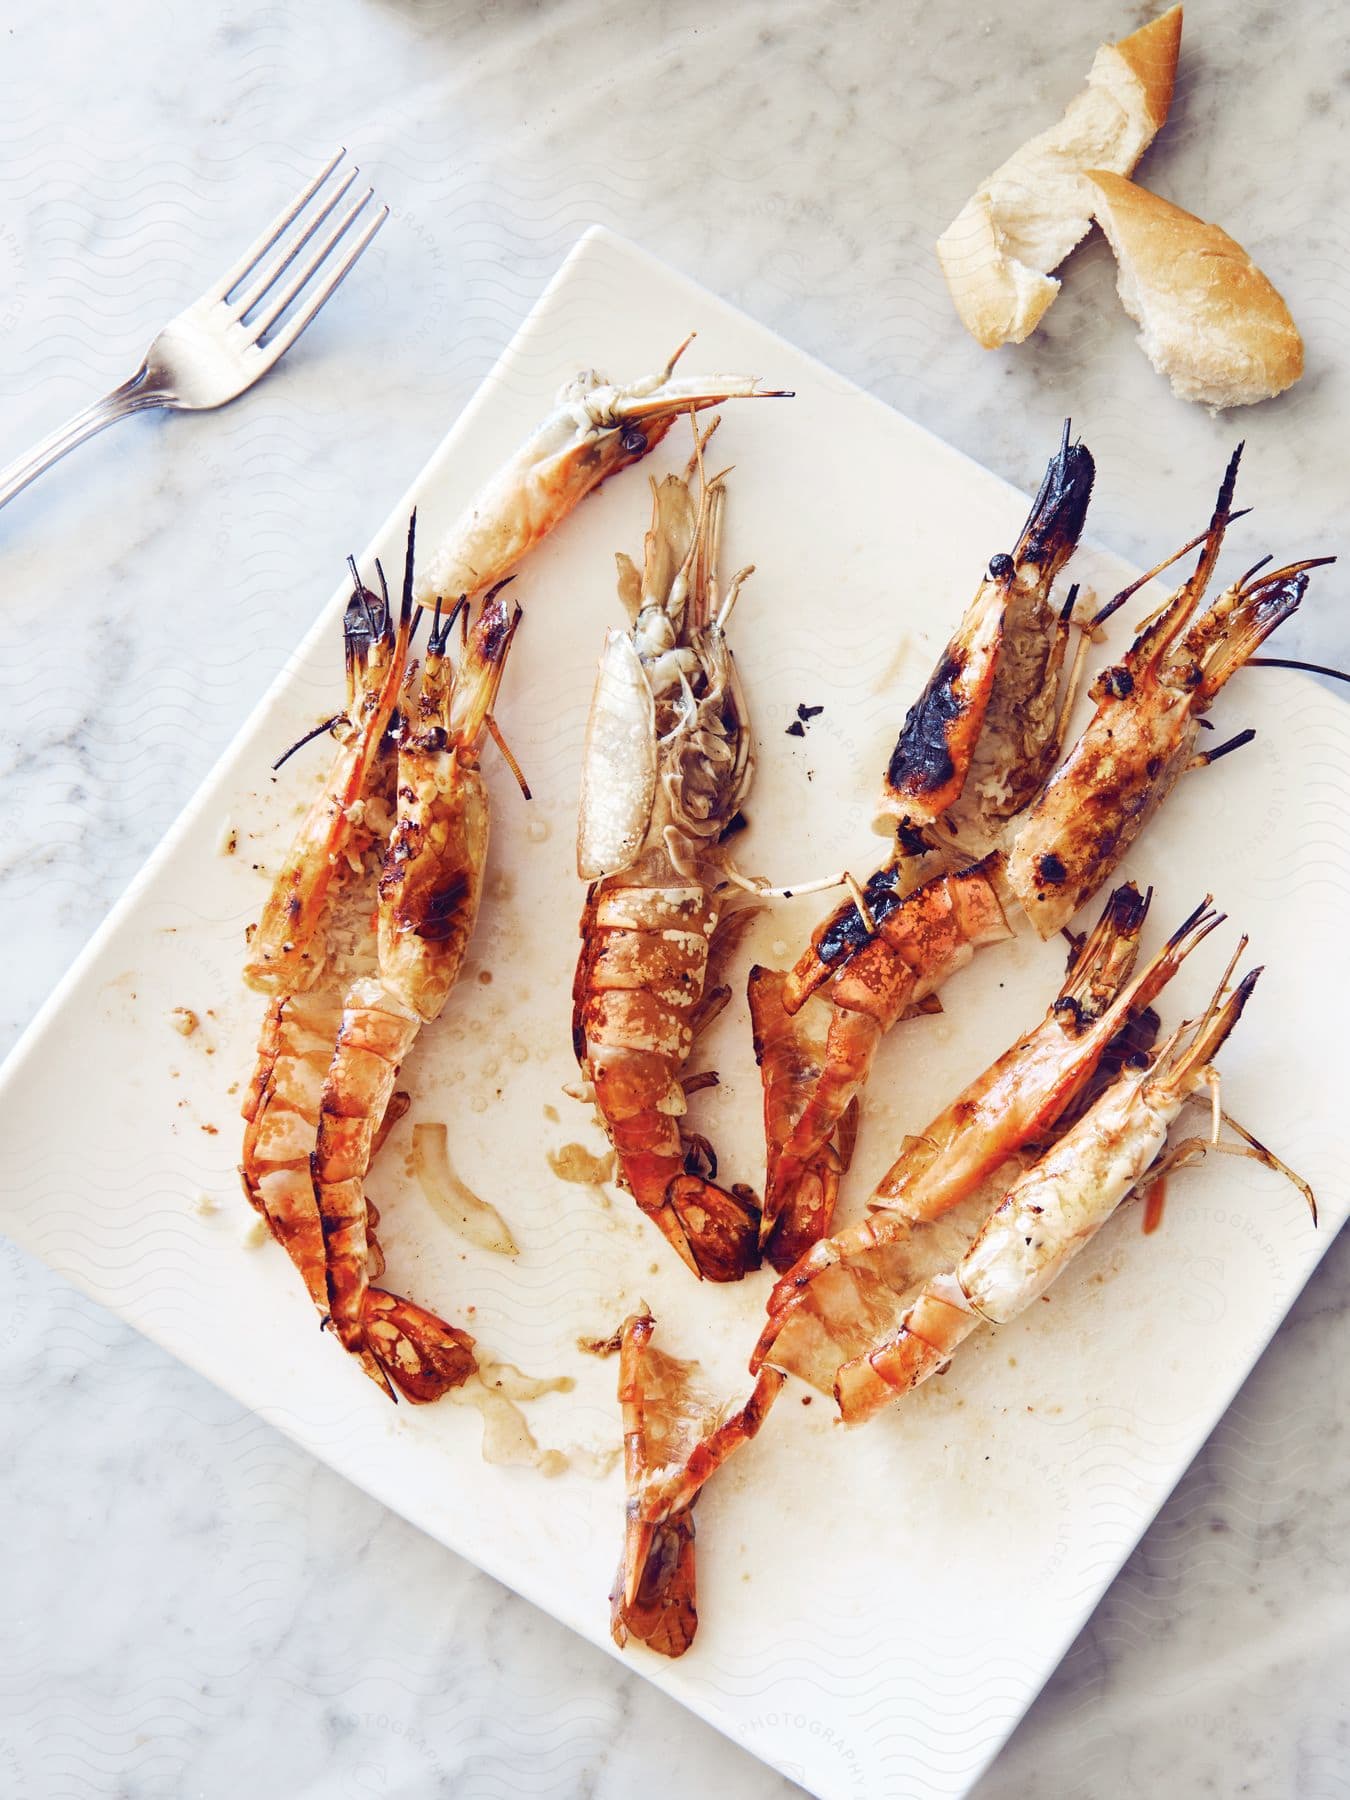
column 132, row 396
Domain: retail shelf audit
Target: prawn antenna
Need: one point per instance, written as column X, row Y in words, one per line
column 407, row 568
column 1201, row 537
column 1289, row 662
column 308, row 738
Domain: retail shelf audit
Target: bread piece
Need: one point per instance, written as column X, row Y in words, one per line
column 1209, row 319
column 1023, row 221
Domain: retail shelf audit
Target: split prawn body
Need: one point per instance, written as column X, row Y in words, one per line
column 324, row 1093
column 668, row 760
column 1142, row 736
column 427, row 904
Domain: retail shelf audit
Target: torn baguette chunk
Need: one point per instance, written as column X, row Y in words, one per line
column 1024, row 220
column 1208, row 318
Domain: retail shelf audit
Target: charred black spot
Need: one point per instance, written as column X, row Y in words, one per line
column 796, row 729
column 1117, row 682
column 847, row 932
column 737, row 822
column 911, row 839
column 1154, row 767
column 1050, row 869
column 1070, row 1007
column 442, row 908
column 1001, row 567
column 921, row 761
column 807, row 713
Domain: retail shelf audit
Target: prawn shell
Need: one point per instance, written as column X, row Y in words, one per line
column 619, row 763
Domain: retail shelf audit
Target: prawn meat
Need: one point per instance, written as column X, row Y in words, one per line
column 986, row 720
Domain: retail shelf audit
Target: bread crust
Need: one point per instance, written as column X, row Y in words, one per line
column 1151, row 54
column 1210, row 320
column 1020, row 223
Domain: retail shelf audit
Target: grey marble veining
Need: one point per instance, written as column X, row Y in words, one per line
column 192, row 1606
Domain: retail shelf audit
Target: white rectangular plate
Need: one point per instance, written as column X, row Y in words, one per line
column 880, row 1606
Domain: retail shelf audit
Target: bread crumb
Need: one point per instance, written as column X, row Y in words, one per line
column 184, row 1020
column 255, row 1234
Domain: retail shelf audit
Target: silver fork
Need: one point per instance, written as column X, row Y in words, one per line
column 229, row 339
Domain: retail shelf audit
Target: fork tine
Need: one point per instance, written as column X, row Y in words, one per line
column 301, row 279
column 288, row 252
column 263, row 244
column 282, row 342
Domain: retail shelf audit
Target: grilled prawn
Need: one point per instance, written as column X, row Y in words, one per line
column 879, row 970
column 1058, row 1206
column 667, row 763
column 840, row 1294
column 1143, row 733
column 428, row 895
column 595, row 428
column 675, row 1436
column 313, row 936
column 973, row 748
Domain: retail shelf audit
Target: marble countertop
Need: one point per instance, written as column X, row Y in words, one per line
column 193, row 1607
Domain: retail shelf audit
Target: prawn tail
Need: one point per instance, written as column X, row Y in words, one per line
column 482, row 664
column 415, row 1350
column 655, row 1595
column 1261, row 608
column 1105, row 960
column 1055, row 521
column 1182, row 1063
column 804, row 1213
column 720, row 1227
